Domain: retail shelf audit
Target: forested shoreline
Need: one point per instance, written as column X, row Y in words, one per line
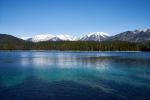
column 76, row 45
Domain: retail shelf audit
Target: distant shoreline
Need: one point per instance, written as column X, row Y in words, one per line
column 65, row 51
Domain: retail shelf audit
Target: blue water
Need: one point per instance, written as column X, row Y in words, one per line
column 58, row 75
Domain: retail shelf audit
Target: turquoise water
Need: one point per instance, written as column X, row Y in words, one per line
column 57, row 75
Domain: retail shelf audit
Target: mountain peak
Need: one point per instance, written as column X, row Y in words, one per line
column 140, row 30
column 95, row 36
column 99, row 34
column 138, row 35
column 66, row 37
column 43, row 37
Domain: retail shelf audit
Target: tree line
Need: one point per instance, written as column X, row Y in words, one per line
column 76, row 45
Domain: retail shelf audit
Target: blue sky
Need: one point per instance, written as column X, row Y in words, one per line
column 73, row 17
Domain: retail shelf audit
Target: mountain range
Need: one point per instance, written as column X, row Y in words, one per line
column 140, row 35
column 95, row 36
column 137, row 40
column 50, row 37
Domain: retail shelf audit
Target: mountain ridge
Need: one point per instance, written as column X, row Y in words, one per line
column 8, row 42
column 94, row 36
column 138, row 35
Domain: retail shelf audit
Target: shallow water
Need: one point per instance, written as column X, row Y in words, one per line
column 56, row 75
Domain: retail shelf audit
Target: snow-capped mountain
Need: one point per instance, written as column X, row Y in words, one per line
column 50, row 37
column 138, row 35
column 39, row 38
column 67, row 37
column 95, row 36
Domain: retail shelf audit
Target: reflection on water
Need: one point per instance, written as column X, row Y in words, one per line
column 108, row 75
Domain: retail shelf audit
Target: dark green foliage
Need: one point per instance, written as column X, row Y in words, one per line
column 91, row 46
column 8, row 42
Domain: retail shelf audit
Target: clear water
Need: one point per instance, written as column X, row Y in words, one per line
column 52, row 75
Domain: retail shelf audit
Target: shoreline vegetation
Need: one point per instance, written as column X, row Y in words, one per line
column 76, row 46
column 62, row 51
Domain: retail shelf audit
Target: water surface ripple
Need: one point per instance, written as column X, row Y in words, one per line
column 57, row 75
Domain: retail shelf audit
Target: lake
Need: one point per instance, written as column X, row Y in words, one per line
column 68, row 75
